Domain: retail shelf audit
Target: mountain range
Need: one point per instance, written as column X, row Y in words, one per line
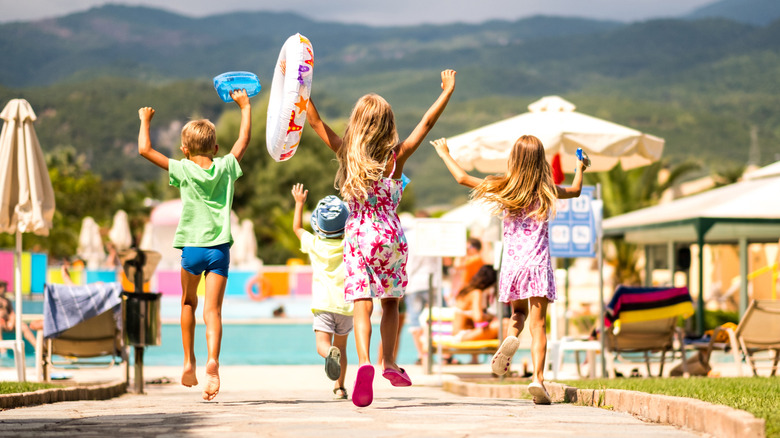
column 702, row 83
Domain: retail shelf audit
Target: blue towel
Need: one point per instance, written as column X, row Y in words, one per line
column 65, row 306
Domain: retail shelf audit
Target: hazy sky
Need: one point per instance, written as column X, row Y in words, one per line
column 378, row 12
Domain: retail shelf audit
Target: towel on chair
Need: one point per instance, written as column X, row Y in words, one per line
column 637, row 304
column 65, row 306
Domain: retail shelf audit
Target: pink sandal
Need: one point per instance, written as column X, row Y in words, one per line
column 397, row 378
column 363, row 392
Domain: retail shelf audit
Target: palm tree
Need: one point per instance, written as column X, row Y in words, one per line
column 623, row 191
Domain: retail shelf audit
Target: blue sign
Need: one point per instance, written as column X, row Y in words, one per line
column 573, row 230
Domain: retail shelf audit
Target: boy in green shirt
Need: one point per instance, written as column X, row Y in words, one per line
column 332, row 315
column 203, row 234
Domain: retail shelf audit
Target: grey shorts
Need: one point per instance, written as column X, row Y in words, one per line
column 416, row 302
column 329, row 322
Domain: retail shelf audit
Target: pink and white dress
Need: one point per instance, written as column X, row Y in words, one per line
column 375, row 248
column 526, row 270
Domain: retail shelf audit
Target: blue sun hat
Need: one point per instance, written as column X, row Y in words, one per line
column 329, row 217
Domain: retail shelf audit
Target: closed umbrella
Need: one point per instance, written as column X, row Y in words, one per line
column 561, row 130
column 120, row 234
column 26, row 195
column 90, row 247
column 244, row 251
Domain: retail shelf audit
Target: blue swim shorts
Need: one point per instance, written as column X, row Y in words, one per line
column 216, row 259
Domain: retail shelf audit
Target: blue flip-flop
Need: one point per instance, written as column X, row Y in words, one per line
column 363, row 392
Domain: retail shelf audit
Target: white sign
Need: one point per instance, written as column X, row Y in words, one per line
column 439, row 238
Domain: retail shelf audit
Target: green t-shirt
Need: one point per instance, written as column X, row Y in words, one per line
column 207, row 198
column 328, row 271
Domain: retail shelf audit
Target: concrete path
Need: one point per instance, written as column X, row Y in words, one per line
column 296, row 401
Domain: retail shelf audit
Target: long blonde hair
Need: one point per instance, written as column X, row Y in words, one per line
column 527, row 185
column 368, row 142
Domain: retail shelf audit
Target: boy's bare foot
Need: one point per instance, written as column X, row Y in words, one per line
column 188, row 377
column 212, row 380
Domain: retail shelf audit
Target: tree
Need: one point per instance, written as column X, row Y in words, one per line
column 78, row 192
column 623, row 191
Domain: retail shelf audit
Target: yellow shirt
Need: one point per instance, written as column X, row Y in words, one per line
column 328, row 271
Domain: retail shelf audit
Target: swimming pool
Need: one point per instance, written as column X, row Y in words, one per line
column 249, row 336
column 263, row 344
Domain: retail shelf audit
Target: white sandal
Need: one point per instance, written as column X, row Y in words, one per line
column 503, row 357
column 541, row 397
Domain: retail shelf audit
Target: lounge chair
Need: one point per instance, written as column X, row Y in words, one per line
column 80, row 322
column 643, row 321
column 758, row 331
column 648, row 338
column 98, row 336
column 442, row 335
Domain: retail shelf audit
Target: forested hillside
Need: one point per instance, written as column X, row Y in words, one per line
column 700, row 84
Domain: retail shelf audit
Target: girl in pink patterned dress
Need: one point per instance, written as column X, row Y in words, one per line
column 526, row 196
column 371, row 160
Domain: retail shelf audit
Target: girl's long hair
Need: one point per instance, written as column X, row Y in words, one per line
column 368, row 143
column 526, row 187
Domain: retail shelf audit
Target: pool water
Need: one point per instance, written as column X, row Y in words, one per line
column 263, row 344
column 246, row 340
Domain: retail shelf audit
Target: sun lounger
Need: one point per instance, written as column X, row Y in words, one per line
column 758, row 331
column 443, row 336
column 80, row 322
column 643, row 321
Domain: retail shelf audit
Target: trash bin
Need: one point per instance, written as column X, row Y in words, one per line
column 141, row 311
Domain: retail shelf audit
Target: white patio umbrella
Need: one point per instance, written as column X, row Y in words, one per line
column 26, row 196
column 561, row 130
column 91, row 248
column 120, row 234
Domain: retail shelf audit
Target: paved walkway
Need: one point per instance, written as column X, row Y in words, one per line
column 296, row 401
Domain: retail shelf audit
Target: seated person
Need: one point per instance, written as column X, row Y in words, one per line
column 466, row 267
column 472, row 321
column 8, row 317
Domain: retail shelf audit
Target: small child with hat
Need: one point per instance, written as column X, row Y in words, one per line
column 332, row 315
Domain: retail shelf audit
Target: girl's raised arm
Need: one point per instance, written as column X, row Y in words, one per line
column 576, row 184
column 422, row 129
column 321, row 128
column 460, row 175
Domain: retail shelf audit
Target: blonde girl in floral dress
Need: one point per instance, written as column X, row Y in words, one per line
column 526, row 197
column 371, row 160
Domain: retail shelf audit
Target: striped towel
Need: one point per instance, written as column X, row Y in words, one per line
column 65, row 306
column 637, row 304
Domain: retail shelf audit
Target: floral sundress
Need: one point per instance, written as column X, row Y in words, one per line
column 375, row 248
column 526, row 269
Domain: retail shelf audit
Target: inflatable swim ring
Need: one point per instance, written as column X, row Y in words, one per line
column 289, row 97
column 258, row 288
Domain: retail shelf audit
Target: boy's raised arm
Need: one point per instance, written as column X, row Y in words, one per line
column 299, row 194
column 422, row 129
column 321, row 128
column 245, row 130
column 144, row 140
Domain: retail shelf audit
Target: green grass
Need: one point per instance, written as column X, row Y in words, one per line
column 758, row 395
column 17, row 387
